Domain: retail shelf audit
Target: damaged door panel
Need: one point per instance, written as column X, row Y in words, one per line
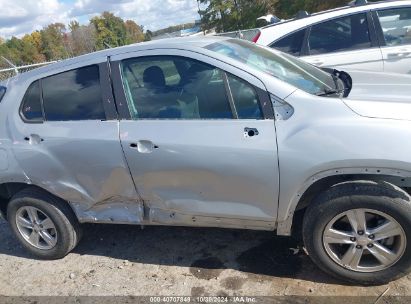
column 199, row 153
column 73, row 149
column 88, row 170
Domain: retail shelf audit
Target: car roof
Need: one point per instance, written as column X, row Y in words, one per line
column 186, row 43
column 285, row 27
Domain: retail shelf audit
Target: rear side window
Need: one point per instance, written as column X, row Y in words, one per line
column 396, row 26
column 291, row 44
column 347, row 33
column 73, row 95
column 2, row 92
column 31, row 105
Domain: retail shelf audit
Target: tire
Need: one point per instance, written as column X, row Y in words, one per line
column 333, row 210
column 64, row 233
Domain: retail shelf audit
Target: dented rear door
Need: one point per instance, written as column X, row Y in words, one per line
column 66, row 139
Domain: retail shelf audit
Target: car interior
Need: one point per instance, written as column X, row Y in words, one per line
column 175, row 89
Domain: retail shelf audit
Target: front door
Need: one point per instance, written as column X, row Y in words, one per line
column 199, row 148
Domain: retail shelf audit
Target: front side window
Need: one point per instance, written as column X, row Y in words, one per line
column 291, row 44
column 396, row 26
column 347, row 33
column 31, row 104
column 168, row 87
column 285, row 67
column 245, row 99
column 73, row 95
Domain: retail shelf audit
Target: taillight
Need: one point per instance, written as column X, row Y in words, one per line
column 255, row 39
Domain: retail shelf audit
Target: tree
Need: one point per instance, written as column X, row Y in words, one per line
column 52, row 38
column 288, row 8
column 230, row 15
column 110, row 30
column 30, row 52
column 216, row 14
column 73, row 25
column 13, row 49
column 36, row 38
column 148, row 35
column 81, row 39
column 134, row 32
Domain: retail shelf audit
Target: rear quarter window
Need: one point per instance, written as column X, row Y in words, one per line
column 2, row 92
column 31, row 105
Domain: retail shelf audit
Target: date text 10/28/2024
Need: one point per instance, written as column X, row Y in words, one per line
column 203, row 299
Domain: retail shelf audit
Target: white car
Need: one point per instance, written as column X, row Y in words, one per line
column 361, row 36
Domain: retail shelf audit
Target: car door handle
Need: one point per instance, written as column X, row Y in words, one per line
column 143, row 146
column 33, row 139
column 250, row 132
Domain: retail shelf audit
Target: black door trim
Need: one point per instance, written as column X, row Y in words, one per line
column 106, row 92
column 119, row 94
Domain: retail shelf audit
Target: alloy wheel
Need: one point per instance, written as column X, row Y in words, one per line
column 364, row 240
column 36, row 227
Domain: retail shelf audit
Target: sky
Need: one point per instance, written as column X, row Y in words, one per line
column 19, row 17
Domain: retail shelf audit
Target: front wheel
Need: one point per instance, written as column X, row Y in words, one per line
column 360, row 232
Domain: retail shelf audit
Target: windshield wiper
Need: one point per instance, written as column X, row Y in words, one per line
column 328, row 92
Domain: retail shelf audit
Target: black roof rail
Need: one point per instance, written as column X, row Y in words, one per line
column 302, row 14
column 358, row 2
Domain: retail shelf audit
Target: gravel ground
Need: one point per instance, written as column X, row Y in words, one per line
column 126, row 260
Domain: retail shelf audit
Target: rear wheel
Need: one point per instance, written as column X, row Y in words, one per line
column 44, row 224
column 360, row 232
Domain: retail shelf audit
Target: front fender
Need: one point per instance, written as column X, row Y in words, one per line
column 325, row 138
column 330, row 177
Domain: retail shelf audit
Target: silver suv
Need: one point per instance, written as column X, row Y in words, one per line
column 211, row 132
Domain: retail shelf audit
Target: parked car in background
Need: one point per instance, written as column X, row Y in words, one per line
column 211, row 132
column 373, row 37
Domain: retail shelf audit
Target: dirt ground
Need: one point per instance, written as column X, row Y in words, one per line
column 126, row 260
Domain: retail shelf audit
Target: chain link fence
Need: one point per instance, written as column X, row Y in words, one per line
column 8, row 70
column 5, row 74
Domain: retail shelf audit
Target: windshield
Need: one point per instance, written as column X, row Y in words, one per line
column 283, row 66
column 2, row 92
